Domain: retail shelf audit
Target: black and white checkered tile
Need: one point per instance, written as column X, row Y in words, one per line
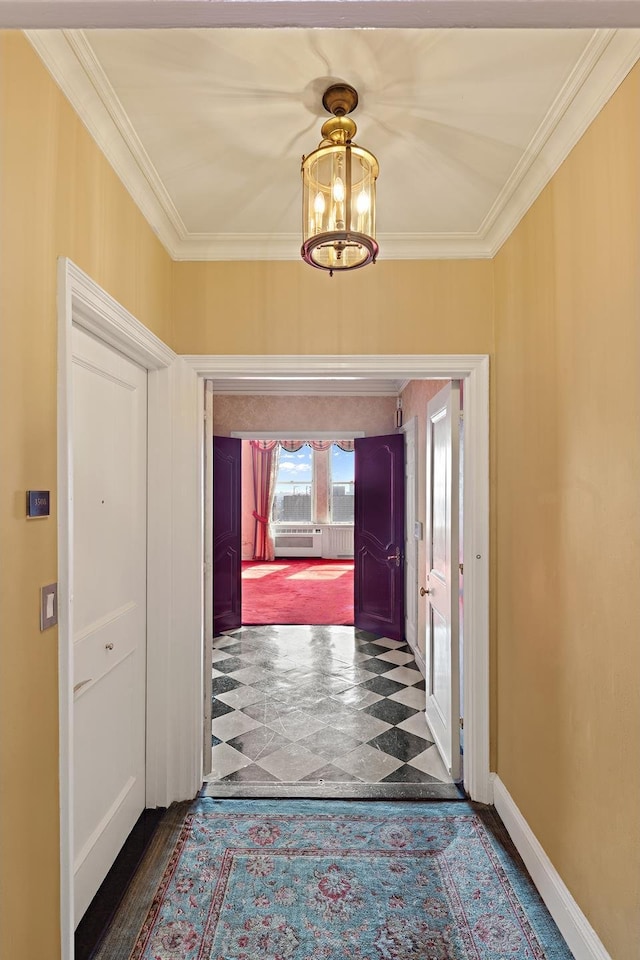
column 309, row 704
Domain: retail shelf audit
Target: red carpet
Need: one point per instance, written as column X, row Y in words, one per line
column 297, row 591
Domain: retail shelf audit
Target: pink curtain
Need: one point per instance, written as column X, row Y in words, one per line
column 264, row 456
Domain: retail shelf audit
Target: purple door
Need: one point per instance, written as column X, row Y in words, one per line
column 379, row 535
column 227, row 544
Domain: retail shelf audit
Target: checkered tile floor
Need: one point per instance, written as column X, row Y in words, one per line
column 317, row 704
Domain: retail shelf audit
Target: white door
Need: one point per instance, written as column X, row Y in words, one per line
column 207, row 646
column 109, row 507
column 410, row 541
column 442, row 643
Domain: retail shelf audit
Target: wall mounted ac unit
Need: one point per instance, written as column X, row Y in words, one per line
column 297, row 541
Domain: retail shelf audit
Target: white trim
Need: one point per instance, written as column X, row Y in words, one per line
column 98, row 313
column 174, row 600
column 308, row 388
column 582, row 939
column 65, row 566
column 69, row 57
column 475, row 542
column 319, row 13
column 422, row 666
column 175, row 591
column 597, row 75
column 286, row 246
column 206, row 388
column 474, row 370
column 397, row 366
column 72, row 64
column 411, row 498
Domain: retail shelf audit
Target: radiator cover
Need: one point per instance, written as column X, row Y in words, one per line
column 298, row 542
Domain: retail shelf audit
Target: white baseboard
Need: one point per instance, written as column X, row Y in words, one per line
column 582, row 939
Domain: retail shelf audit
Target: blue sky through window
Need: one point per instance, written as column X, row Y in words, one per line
column 295, row 466
column 341, row 465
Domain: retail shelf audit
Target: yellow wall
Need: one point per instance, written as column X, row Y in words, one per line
column 568, row 520
column 396, row 306
column 565, row 456
column 58, row 197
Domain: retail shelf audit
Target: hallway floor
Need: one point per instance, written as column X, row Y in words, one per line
column 323, row 711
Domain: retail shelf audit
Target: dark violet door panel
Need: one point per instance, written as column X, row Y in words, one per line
column 227, row 541
column 379, row 535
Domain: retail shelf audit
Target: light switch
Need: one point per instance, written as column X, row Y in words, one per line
column 48, row 606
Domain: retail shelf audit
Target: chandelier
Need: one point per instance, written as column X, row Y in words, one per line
column 339, row 192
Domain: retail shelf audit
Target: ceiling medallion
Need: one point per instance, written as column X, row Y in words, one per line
column 339, row 192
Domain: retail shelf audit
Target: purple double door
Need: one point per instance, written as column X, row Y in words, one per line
column 378, row 535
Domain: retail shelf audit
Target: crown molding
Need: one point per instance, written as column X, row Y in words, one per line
column 286, row 246
column 605, row 63
column 68, row 57
column 606, row 60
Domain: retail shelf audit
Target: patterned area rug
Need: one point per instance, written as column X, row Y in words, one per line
column 309, row 880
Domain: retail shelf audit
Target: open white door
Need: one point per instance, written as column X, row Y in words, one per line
column 442, row 639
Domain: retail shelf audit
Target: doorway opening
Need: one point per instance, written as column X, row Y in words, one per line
column 297, row 567
column 388, row 724
column 473, row 370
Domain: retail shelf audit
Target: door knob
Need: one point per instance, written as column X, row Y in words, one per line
column 424, row 591
column 397, row 556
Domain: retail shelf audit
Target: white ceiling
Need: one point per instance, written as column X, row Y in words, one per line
column 206, row 127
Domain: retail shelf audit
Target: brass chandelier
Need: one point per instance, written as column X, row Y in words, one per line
column 339, row 192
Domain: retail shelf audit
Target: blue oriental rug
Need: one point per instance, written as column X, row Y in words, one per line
column 325, row 880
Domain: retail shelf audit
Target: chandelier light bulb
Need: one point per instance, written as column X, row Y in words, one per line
column 362, row 203
column 318, row 203
column 338, row 190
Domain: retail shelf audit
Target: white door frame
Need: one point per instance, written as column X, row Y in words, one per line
column 174, row 559
column 474, row 370
column 410, row 431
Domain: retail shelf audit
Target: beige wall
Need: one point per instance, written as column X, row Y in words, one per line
column 433, row 306
column 58, row 197
column 567, row 426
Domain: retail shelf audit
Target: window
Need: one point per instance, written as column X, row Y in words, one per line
column 342, row 485
column 314, row 486
column 293, row 498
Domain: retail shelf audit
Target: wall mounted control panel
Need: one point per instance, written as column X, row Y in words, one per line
column 48, row 606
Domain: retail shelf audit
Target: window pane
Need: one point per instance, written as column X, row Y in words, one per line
column 342, row 485
column 292, row 502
